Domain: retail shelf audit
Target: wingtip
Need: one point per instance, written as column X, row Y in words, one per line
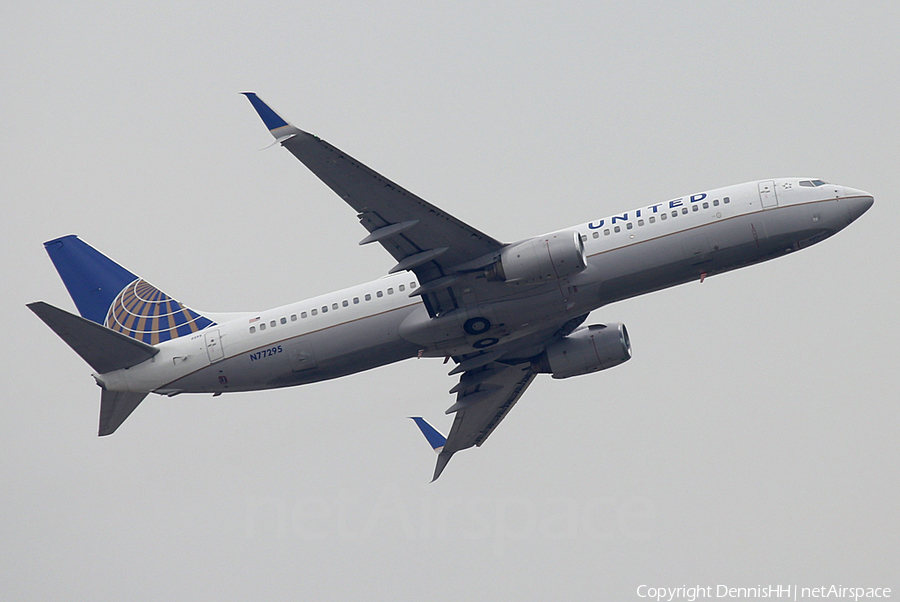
column 435, row 439
column 273, row 121
column 442, row 460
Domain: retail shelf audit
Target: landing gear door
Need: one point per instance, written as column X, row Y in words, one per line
column 301, row 356
column 767, row 194
column 214, row 346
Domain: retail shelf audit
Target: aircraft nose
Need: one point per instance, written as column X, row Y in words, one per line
column 858, row 202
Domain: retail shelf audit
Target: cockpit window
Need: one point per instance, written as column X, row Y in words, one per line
column 812, row 183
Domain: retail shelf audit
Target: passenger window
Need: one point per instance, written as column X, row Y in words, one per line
column 663, row 216
column 272, row 323
column 606, row 232
column 596, row 234
column 726, row 200
column 252, row 329
column 412, row 285
column 315, row 312
column 334, row 306
column 584, row 238
column 262, row 326
column 355, row 300
column 640, row 222
column 617, row 229
column 402, row 287
column 696, row 208
column 652, row 220
column 345, row 303
column 293, row 317
column 324, row 309
column 675, row 213
column 684, row 210
column 284, row 320
column 390, row 291
column 303, row 315
column 368, row 297
column 705, row 205
column 379, row 294
column 629, row 226
column 716, row 203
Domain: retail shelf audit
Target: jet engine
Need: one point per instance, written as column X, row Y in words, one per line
column 596, row 347
column 540, row 259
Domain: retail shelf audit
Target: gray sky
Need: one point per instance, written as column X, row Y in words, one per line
column 751, row 440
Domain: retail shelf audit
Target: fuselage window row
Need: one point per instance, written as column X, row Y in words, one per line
column 344, row 303
column 652, row 218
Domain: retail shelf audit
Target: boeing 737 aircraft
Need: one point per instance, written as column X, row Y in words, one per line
column 504, row 312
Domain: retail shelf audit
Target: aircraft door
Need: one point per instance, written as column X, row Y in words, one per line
column 767, row 195
column 214, row 345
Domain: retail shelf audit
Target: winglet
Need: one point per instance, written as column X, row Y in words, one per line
column 436, row 441
column 278, row 127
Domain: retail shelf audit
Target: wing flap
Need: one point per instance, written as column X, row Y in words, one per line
column 475, row 423
column 497, row 392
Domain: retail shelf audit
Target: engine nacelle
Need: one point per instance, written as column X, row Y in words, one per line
column 541, row 259
column 596, row 347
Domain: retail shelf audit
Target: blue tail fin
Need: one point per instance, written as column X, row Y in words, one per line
column 108, row 294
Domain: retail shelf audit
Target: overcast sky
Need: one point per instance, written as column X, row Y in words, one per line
column 751, row 440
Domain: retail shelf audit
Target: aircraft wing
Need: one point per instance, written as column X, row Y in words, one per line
column 483, row 398
column 441, row 250
column 420, row 236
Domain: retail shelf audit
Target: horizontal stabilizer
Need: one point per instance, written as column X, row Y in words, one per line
column 115, row 407
column 104, row 349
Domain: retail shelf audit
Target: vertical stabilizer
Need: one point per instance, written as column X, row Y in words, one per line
column 93, row 279
column 108, row 294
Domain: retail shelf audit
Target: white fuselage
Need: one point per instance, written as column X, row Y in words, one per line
column 377, row 323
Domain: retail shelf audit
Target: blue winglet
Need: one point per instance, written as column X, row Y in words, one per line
column 435, row 439
column 272, row 119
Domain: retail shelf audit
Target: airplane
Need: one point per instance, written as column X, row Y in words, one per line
column 503, row 312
